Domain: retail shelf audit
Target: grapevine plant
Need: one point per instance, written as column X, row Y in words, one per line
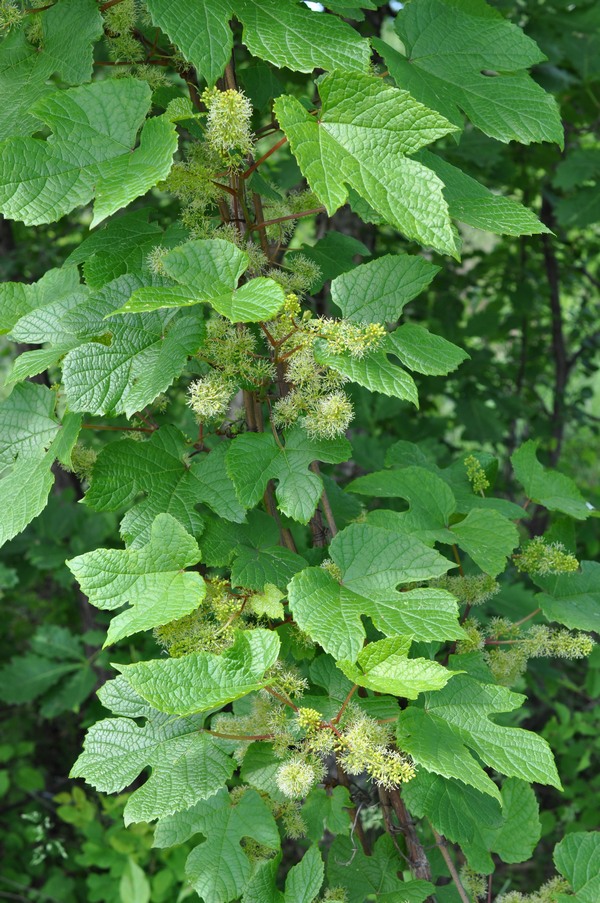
column 332, row 650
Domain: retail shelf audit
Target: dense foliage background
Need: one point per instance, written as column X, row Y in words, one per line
column 524, row 307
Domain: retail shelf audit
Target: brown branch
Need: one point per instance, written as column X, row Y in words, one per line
column 353, row 812
column 283, row 219
column 417, row 857
column 443, row 848
column 559, row 348
column 124, row 429
column 337, row 718
column 108, row 5
column 264, row 157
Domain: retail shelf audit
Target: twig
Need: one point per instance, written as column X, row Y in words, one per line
column 283, row 219
column 443, row 848
column 264, row 157
column 353, row 812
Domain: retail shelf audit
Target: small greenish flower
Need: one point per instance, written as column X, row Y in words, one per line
column 330, row 416
column 209, row 397
column 228, row 122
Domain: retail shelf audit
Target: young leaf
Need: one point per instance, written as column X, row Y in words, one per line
column 478, row 71
column 91, row 153
column 202, row 681
column 385, row 667
column 17, row 299
column 208, row 271
column 362, row 139
column 304, row 880
column 255, row 458
column 187, row 764
column 373, row 371
column 152, row 579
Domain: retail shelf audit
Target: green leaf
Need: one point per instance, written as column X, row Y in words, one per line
column 27, row 676
column 158, row 469
column 362, row 139
column 27, row 422
column 287, row 34
column 384, row 666
column 372, row 877
column 438, row 730
column 476, row 821
column 488, row 538
column 284, row 32
column 304, row 880
column 372, row 562
column 151, row 579
column 187, row 763
column 69, row 28
column 373, row 371
column 577, row 858
column 423, row 352
column 327, row 810
column 572, row 599
column 134, row 887
column 431, row 501
column 251, row 550
column 219, row 869
column 377, row 292
column 549, row 488
column 463, row 55
column 143, row 356
column 121, row 246
column 24, row 493
column 474, row 204
column 208, row 271
column 90, row 153
column 18, row 298
column 202, row 681
column 255, row 458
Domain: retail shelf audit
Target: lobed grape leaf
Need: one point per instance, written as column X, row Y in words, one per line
column 284, row 32
column 91, row 153
column 440, row 728
column 187, row 763
column 363, row 138
column 384, row 666
column 255, row 458
column 577, row 858
column 572, row 599
column 377, row 292
column 554, row 490
column 463, row 55
column 151, row 579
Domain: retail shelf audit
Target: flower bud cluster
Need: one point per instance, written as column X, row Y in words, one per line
column 82, row 461
column 228, row 129
column 365, row 746
column 540, row 557
column 474, row 639
column 10, row 14
column 233, row 351
column 476, row 475
column 208, row 629
column 475, row 885
column 298, row 275
column 470, row 590
column 550, row 892
column 296, row 777
column 345, row 337
column 508, row 664
column 335, row 895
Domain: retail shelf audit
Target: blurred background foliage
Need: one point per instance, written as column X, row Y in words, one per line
column 528, row 312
